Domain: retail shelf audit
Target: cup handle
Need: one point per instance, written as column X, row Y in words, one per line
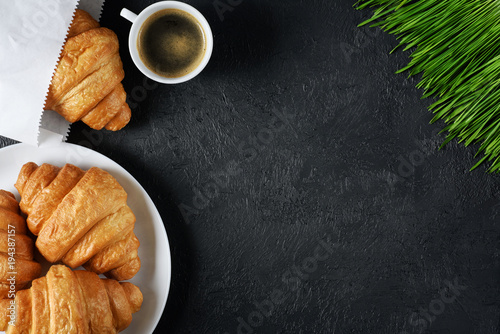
column 128, row 15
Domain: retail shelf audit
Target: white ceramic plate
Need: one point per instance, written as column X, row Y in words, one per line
column 154, row 277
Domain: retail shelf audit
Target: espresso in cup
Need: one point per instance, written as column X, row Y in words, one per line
column 171, row 43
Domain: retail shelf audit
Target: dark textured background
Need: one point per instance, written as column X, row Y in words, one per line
column 351, row 162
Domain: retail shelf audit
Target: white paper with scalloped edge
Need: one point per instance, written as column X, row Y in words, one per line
column 32, row 34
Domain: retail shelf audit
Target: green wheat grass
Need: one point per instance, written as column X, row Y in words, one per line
column 456, row 48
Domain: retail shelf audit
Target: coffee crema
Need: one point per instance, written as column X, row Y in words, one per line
column 171, row 43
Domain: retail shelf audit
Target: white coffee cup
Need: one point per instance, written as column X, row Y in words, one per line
column 138, row 20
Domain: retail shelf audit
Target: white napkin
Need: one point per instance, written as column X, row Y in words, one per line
column 32, row 33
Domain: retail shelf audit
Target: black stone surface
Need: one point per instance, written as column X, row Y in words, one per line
column 301, row 184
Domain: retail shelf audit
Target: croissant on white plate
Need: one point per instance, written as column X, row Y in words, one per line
column 67, row 302
column 17, row 267
column 80, row 218
column 87, row 85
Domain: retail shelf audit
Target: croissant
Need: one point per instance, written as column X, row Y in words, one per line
column 87, row 82
column 17, row 268
column 66, row 301
column 80, row 218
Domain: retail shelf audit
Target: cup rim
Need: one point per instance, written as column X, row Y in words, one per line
column 146, row 13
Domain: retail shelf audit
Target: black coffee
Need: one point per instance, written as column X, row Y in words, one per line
column 171, row 43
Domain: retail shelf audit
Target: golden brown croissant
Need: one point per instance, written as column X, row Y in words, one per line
column 17, row 268
column 81, row 218
column 66, row 301
column 87, row 83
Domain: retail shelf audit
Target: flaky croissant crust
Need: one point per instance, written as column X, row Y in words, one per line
column 66, row 301
column 87, row 83
column 80, row 218
column 17, row 266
